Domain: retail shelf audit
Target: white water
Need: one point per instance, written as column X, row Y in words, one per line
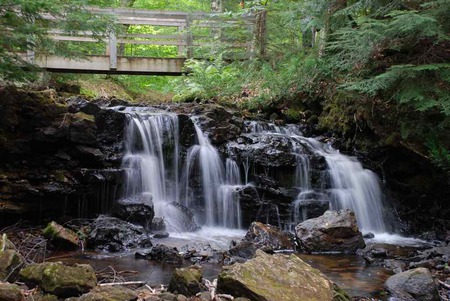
column 350, row 185
column 152, row 165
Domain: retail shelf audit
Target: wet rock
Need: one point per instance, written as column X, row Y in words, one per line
column 114, row 235
column 368, row 235
column 332, row 232
column 186, row 130
column 166, row 296
column 82, row 129
column 428, row 264
column 275, row 278
column 397, row 266
column 314, row 208
column 244, row 249
column 10, row 264
column 60, row 280
column 78, row 104
column 63, row 238
column 90, row 155
column 10, row 292
column 160, row 234
column 108, row 293
column 411, row 285
column 161, row 253
column 269, row 236
column 158, row 224
column 187, row 281
column 201, row 253
column 110, row 134
column 137, row 209
column 185, row 220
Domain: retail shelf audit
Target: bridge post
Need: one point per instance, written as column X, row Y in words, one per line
column 113, row 51
column 189, row 37
column 261, row 32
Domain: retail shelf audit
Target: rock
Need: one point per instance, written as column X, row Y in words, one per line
column 269, row 236
column 313, row 208
column 137, row 209
column 411, row 285
column 10, row 292
column 201, row 253
column 63, row 238
column 275, row 278
column 114, row 235
column 109, row 293
column 185, row 221
column 187, row 281
column 368, row 235
column 60, row 280
column 10, row 264
column 161, row 253
column 332, row 232
column 244, row 249
column 428, row 264
column 166, row 296
column 158, row 224
column 160, row 234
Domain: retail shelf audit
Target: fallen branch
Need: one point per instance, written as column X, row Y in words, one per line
column 123, row 283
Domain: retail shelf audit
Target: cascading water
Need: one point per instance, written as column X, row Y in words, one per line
column 153, row 164
column 350, row 185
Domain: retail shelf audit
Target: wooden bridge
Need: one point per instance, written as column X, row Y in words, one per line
column 157, row 42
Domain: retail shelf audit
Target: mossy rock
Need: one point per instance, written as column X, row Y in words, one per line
column 60, row 280
column 187, row 281
column 10, row 264
column 108, row 293
column 10, row 292
column 276, row 278
column 63, row 237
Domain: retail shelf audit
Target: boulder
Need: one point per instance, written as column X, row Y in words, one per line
column 335, row 231
column 187, row 281
column 62, row 237
column 10, row 292
column 108, row 293
column 114, row 235
column 268, row 236
column 275, row 278
column 10, row 264
column 413, row 285
column 161, row 253
column 312, row 208
column 137, row 209
column 59, row 279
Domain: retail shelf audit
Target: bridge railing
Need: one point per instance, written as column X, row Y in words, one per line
column 164, row 35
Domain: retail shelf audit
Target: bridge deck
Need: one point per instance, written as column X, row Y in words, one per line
column 182, row 35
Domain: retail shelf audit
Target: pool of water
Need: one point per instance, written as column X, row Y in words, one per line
column 350, row 272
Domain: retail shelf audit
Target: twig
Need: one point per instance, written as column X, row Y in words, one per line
column 123, row 283
column 443, row 284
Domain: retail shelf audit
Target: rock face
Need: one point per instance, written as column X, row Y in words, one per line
column 187, row 281
column 60, row 280
column 331, row 232
column 275, row 278
column 114, row 235
column 137, row 210
column 10, row 264
column 62, row 237
column 411, row 285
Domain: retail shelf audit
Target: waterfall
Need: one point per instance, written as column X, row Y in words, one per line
column 350, row 185
column 153, row 165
